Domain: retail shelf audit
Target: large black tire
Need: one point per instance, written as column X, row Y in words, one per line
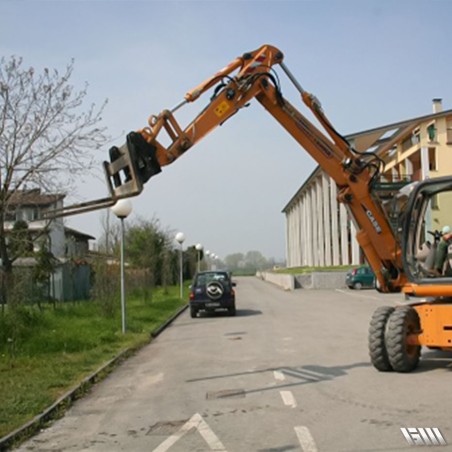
column 377, row 332
column 193, row 312
column 231, row 311
column 402, row 356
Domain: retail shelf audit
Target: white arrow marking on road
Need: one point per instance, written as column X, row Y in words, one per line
column 196, row 421
column 288, row 398
column 307, row 442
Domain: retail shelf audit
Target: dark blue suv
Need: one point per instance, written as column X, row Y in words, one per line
column 210, row 291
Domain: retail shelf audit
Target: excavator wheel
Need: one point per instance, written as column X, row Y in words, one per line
column 377, row 331
column 402, row 356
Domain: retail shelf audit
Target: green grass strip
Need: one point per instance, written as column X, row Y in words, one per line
column 45, row 354
column 303, row 270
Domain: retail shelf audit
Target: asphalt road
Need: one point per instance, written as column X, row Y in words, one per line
column 289, row 373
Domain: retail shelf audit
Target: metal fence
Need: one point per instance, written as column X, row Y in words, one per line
column 71, row 282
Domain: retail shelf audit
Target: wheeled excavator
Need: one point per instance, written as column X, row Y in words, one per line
column 392, row 248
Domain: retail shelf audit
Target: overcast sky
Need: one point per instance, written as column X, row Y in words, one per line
column 369, row 62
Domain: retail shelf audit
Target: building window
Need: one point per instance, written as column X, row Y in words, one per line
column 431, row 132
column 33, row 214
column 449, row 132
column 10, row 215
column 21, row 215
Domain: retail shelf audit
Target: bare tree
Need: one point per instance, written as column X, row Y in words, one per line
column 45, row 134
column 111, row 233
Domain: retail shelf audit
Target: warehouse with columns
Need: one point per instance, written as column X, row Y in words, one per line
column 319, row 230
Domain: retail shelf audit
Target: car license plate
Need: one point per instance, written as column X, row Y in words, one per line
column 213, row 305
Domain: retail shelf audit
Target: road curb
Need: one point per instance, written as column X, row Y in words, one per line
column 158, row 330
column 59, row 407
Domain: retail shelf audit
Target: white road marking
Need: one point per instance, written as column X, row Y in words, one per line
column 288, row 398
column 307, row 442
column 196, row 421
column 279, row 376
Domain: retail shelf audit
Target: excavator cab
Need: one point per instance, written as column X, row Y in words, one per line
column 397, row 334
column 428, row 210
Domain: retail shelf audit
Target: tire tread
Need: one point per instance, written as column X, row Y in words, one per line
column 400, row 360
column 377, row 331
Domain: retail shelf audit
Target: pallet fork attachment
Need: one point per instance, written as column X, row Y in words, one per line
column 130, row 167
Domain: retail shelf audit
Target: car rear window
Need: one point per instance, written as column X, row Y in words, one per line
column 209, row 277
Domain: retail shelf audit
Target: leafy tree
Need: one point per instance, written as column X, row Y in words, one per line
column 45, row 134
column 149, row 247
column 105, row 286
column 169, row 267
column 44, row 268
column 235, row 261
column 255, row 260
column 191, row 261
column 248, row 263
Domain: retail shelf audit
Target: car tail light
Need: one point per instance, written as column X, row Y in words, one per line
column 232, row 292
column 192, row 296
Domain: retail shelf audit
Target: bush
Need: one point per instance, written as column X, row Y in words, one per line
column 15, row 325
column 106, row 287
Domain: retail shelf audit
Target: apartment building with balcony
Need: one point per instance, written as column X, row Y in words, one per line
column 319, row 230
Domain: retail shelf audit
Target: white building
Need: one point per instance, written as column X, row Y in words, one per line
column 29, row 206
column 71, row 278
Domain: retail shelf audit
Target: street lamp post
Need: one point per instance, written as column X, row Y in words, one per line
column 180, row 237
column 122, row 210
column 199, row 249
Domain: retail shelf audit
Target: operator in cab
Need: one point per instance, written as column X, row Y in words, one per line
column 444, row 252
